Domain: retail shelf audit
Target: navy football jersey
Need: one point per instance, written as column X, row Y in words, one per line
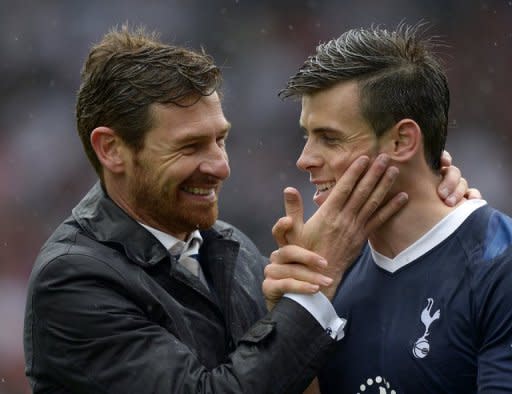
column 435, row 319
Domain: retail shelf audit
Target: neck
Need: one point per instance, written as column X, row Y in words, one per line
column 422, row 212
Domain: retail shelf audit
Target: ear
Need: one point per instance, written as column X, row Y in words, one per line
column 403, row 140
column 109, row 149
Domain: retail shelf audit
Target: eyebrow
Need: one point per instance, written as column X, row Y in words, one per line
column 322, row 129
column 186, row 139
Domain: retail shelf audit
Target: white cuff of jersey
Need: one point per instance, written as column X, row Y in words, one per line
column 322, row 310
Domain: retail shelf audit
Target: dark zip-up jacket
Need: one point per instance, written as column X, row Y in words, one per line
column 109, row 311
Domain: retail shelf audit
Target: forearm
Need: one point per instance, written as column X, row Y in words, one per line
column 281, row 353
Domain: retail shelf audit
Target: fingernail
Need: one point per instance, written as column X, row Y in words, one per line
column 403, row 197
column 450, row 201
column 444, row 192
column 313, row 288
column 322, row 262
column 326, row 281
column 393, row 172
column 364, row 160
column 384, row 159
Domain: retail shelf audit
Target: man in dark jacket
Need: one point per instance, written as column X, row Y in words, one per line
column 142, row 289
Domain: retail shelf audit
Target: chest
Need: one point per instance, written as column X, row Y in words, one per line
column 208, row 320
column 410, row 330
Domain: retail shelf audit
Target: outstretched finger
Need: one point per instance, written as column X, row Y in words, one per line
column 378, row 195
column 344, row 187
column 293, row 203
column 384, row 213
column 294, row 209
column 372, row 188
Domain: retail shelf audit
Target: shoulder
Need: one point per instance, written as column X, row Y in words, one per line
column 485, row 239
column 69, row 254
column 485, row 236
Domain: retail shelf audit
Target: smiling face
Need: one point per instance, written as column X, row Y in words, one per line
column 336, row 134
column 174, row 181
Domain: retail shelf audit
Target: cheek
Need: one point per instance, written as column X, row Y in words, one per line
column 341, row 160
column 177, row 172
column 340, row 163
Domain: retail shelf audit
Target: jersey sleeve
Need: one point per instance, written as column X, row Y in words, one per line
column 493, row 297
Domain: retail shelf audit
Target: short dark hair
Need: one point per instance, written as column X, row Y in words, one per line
column 127, row 72
column 399, row 76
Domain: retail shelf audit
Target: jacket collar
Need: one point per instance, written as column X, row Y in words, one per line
column 101, row 217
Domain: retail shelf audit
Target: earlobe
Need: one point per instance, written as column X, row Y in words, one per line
column 406, row 137
column 108, row 147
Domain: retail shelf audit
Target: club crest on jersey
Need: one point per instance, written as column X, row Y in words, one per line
column 421, row 346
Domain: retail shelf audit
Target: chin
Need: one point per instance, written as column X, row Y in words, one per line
column 204, row 221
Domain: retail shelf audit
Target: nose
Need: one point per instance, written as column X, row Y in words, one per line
column 216, row 164
column 308, row 159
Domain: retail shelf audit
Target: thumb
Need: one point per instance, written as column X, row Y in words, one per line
column 295, row 210
column 281, row 229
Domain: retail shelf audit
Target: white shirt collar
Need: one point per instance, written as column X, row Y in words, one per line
column 431, row 239
column 176, row 245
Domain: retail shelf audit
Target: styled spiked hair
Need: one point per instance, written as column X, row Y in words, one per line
column 399, row 76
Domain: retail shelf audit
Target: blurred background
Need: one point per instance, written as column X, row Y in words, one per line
column 43, row 172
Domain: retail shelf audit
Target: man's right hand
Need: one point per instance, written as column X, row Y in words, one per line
column 336, row 232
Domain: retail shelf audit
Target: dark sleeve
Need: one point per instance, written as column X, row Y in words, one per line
column 494, row 315
column 86, row 332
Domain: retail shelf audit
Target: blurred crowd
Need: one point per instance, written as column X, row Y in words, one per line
column 43, row 172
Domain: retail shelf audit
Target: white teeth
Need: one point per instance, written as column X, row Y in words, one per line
column 321, row 187
column 199, row 191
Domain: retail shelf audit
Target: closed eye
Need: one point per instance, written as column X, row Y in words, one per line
column 328, row 139
column 189, row 149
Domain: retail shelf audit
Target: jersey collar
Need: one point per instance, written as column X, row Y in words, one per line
column 430, row 240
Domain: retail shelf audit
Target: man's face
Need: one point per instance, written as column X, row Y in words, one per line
column 336, row 134
column 175, row 179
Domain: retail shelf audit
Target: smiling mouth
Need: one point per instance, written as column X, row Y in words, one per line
column 199, row 191
column 322, row 187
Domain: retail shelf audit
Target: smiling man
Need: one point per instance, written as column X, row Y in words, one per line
column 142, row 289
column 428, row 302
column 172, row 184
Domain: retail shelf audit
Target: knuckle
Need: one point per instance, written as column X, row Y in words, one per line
column 381, row 217
column 279, row 226
column 455, row 169
column 274, row 256
column 268, row 271
column 267, row 287
column 373, row 204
